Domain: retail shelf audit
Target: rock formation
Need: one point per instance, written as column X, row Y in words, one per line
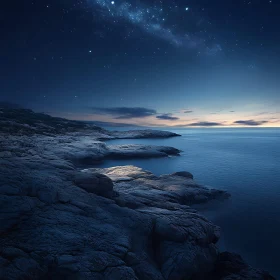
column 58, row 221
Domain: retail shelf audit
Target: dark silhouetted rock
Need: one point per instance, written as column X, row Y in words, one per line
column 183, row 174
column 231, row 266
column 94, row 183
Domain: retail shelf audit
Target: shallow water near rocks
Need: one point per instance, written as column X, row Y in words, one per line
column 246, row 162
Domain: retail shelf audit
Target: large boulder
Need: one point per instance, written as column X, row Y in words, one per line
column 94, row 183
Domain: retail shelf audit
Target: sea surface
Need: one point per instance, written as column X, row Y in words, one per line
column 245, row 162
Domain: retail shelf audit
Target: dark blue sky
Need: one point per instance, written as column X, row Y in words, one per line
column 191, row 62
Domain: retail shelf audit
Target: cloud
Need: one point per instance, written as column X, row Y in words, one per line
column 125, row 112
column 188, row 111
column 205, row 124
column 250, row 122
column 167, row 117
column 268, row 113
column 274, row 120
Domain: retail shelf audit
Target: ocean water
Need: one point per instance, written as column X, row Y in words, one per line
column 245, row 162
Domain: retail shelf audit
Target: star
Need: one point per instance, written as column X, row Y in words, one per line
column 152, row 19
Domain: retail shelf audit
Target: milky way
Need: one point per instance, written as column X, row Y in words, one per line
column 148, row 62
column 154, row 21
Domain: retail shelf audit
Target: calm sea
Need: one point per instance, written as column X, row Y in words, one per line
column 245, row 162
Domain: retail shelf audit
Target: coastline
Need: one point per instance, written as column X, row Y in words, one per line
column 118, row 223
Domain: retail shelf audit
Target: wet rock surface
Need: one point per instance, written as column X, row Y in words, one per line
column 61, row 222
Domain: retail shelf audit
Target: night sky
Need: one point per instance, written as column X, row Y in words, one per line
column 172, row 62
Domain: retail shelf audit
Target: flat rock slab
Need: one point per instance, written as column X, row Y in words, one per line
column 141, row 188
column 138, row 134
column 140, row 151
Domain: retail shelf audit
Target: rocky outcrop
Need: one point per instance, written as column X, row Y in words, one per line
column 139, row 188
column 18, row 121
column 140, row 151
column 76, row 149
column 59, row 220
column 54, row 225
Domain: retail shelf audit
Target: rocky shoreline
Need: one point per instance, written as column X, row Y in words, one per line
column 59, row 221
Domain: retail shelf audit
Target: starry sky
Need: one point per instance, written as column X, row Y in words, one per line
column 174, row 63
